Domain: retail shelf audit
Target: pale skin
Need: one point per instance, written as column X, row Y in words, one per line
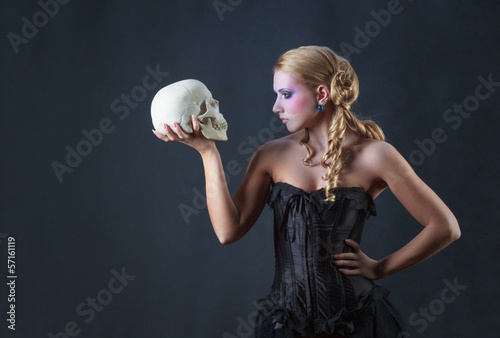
column 371, row 164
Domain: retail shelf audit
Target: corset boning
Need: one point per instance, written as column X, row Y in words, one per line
column 307, row 234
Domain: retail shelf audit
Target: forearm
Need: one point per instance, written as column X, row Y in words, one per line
column 429, row 241
column 221, row 209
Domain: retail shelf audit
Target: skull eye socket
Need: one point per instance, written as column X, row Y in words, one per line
column 203, row 107
column 211, row 102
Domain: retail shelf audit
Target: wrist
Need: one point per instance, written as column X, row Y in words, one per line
column 208, row 150
column 380, row 270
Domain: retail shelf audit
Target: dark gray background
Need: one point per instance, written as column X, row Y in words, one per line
column 119, row 208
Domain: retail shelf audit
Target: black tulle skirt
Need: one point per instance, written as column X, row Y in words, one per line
column 375, row 317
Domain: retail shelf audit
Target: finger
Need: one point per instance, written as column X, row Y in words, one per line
column 352, row 244
column 169, row 133
column 160, row 135
column 180, row 132
column 347, row 263
column 347, row 255
column 350, row 272
column 195, row 123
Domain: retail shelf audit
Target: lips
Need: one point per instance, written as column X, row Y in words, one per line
column 284, row 120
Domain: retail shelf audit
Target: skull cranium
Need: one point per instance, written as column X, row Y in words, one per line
column 179, row 101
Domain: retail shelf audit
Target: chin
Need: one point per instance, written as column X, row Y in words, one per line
column 294, row 129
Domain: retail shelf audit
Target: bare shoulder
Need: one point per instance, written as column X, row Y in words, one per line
column 374, row 147
column 385, row 163
column 277, row 147
column 381, row 161
column 275, row 152
column 376, row 153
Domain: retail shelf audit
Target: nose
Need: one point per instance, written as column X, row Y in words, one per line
column 276, row 107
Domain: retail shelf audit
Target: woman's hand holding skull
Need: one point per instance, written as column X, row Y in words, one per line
column 195, row 139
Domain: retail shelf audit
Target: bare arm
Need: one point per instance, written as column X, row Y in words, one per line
column 221, row 209
column 231, row 219
column 440, row 225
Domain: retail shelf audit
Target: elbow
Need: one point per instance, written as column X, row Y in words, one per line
column 453, row 231
column 226, row 240
column 230, row 235
column 456, row 233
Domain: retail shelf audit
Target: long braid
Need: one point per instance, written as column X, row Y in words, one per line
column 344, row 90
column 336, row 134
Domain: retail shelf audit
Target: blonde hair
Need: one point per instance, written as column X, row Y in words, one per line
column 317, row 65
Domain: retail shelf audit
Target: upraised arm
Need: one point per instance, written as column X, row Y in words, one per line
column 231, row 219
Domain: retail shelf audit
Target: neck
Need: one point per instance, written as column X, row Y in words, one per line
column 318, row 135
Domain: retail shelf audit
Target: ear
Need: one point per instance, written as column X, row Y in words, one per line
column 322, row 94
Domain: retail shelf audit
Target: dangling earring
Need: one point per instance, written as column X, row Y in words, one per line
column 321, row 108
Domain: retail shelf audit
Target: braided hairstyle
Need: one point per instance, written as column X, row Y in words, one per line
column 317, row 65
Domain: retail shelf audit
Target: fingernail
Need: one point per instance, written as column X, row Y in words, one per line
column 174, row 125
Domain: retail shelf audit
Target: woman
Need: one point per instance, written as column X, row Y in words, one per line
column 321, row 181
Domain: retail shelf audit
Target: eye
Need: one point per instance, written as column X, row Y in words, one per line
column 286, row 95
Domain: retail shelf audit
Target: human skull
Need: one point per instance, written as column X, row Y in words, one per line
column 178, row 101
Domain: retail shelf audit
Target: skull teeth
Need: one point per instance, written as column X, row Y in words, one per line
column 220, row 126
